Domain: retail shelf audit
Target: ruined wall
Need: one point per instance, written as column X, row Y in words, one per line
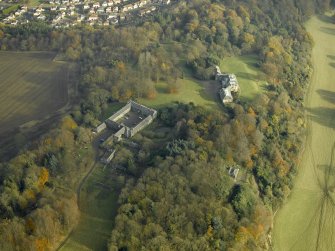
column 119, row 133
column 100, row 128
column 113, row 125
column 145, row 122
column 120, row 112
column 145, row 110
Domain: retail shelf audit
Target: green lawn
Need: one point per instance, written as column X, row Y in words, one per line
column 190, row 90
column 247, row 72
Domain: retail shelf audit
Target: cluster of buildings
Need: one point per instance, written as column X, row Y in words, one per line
column 66, row 13
column 228, row 85
column 129, row 120
column 125, row 123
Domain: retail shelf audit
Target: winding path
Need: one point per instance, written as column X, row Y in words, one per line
column 307, row 220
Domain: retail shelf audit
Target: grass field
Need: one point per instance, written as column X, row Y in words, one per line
column 307, row 220
column 31, row 87
column 190, row 90
column 247, row 72
column 98, row 206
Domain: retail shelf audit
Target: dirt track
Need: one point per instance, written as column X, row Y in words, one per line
column 307, row 220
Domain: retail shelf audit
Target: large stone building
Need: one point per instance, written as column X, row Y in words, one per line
column 129, row 120
column 229, row 84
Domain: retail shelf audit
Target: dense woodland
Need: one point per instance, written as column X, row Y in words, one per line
column 179, row 195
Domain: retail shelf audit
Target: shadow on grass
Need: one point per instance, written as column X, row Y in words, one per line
column 327, row 95
column 332, row 64
column 331, row 57
column 248, row 76
column 322, row 115
column 326, row 19
column 320, row 227
column 327, row 30
column 162, row 89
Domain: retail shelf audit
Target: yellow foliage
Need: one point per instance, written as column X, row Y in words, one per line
column 209, row 232
column 248, row 38
column 151, row 94
column 199, row 141
column 216, row 11
column 165, row 66
column 68, row 123
column 269, row 54
column 283, row 169
column 275, row 44
column 264, row 124
column 29, row 194
column 251, row 112
column 203, row 156
column 47, row 141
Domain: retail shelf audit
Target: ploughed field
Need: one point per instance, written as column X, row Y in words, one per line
column 32, row 86
column 307, row 220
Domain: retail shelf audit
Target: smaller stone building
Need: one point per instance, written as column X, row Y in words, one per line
column 108, row 156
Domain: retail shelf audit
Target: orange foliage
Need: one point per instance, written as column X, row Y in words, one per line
column 229, row 156
column 242, row 235
column 43, row 178
column 172, row 90
column 249, row 164
column 253, row 150
column 41, row 244
column 251, row 232
column 151, row 94
column 121, row 67
column 256, row 230
column 30, row 225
